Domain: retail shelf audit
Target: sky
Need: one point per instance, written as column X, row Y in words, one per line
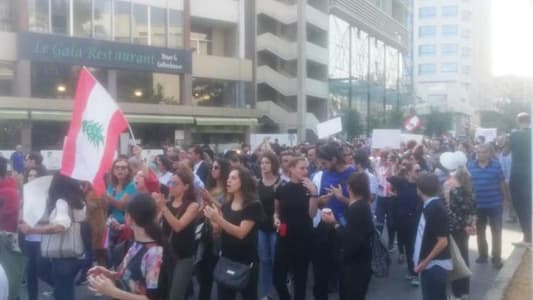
column 512, row 37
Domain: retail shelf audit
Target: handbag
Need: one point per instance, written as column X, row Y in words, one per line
column 67, row 244
column 232, row 274
column 460, row 269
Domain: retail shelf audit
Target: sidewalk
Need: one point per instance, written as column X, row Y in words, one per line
column 520, row 285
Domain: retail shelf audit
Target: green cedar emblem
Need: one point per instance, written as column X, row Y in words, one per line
column 94, row 132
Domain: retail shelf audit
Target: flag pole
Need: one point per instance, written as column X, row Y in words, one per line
column 132, row 136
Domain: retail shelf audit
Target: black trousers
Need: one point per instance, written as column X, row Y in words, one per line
column 354, row 281
column 493, row 216
column 520, row 187
column 325, row 256
column 204, row 276
column 248, row 293
column 285, row 259
column 406, row 239
column 462, row 286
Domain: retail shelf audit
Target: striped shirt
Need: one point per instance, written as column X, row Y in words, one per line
column 486, row 183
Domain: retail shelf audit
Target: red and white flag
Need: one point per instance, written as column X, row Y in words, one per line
column 92, row 138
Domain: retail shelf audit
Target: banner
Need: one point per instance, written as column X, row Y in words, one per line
column 329, row 128
column 386, row 138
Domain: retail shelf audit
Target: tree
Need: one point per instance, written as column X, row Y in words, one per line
column 436, row 122
column 352, row 124
column 504, row 117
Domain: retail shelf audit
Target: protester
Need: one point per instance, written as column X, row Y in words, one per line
column 431, row 254
column 179, row 216
column 384, row 203
column 238, row 222
column 313, row 161
column 9, row 199
column 266, row 188
column 362, row 164
column 34, row 160
column 489, row 187
column 164, row 168
column 65, row 207
column 141, row 272
column 96, row 217
column 285, row 159
column 520, row 182
column 356, row 238
column 216, row 182
column 505, row 158
column 200, row 168
column 296, row 205
column 17, row 160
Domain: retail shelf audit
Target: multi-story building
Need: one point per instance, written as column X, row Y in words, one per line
column 181, row 70
column 369, row 43
column 452, row 56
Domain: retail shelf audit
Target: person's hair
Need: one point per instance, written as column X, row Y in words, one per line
column 287, row 153
column 384, row 155
column 3, row 167
column 405, row 168
column 428, row 184
column 37, row 157
column 225, row 168
column 466, row 145
column 359, row 185
column 330, row 151
column 411, row 144
column 165, row 162
column 198, row 150
column 187, row 177
column 142, row 210
column 361, row 158
column 248, row 186
column 114, row 179
column 273, row 159
column 463, row 177
column 66, row 188
column 418, row 152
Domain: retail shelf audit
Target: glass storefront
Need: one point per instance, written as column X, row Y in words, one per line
column 7, row 77
column 82, row 18
column 213, row 92
column 60, row 16
column 158, row 33
column 38, row 12
column 147, row 87
column 122, row 21
column 7, row 13
column 102, row 19
column 48, row 135
column 139, row 24
column 9, row 134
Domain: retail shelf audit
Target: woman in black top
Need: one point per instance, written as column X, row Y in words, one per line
column 238, row 222
column 296, row 205
column 179, row 224
column 356, row 238
column 266, row 188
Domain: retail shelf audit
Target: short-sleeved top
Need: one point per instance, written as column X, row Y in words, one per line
column 334, row 178
column 130, row 190
column 486, row 183
column 140, row 269
column 294, row 212
column 266, row 196
column 521, row 151
column 241, row 250
column 182, row 242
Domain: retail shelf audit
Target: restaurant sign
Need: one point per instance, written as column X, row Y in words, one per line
column 104, row 54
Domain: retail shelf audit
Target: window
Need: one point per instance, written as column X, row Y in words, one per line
column 425, row 69
column 449, row 11
column 140, row 24
column 212, row 92
column 448, row 68
column 175, row 28
column 158, row 20
column 427, row 12
column 201, row 40
column 7, row 76
column 60, row 16
column 426, row 31
column 82, row 18
column 122, row 21
column 7, row 20
column 448, row 49
column 466, row 51
column 102, row 19
column 426, row 50
column 449, row 30
column 38, row 15
column 147, row 87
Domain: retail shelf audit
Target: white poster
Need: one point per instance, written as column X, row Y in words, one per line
column 386, row 138
column 283, row 139
column 490, row 134
column 6, row 153
column 149, row 155
column 329, row 128
column 52, row 159
column 35, row 197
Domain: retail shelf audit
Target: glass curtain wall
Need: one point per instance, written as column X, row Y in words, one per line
column 102, row 19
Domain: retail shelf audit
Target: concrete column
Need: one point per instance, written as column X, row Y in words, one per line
column 188, row 136
column 302, row 71
column 25, row 135
column 186, row 79
column 112, row 83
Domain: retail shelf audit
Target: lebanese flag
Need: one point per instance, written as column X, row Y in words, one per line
column 94, row 131
column 411, row 124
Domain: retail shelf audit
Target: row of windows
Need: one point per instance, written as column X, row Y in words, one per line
column 445, row 49
column 119, row 20
column 431, row 31
column 428, row 69
column 431, row 11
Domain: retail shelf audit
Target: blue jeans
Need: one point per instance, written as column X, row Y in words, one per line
column 64, row 271
column 266, row 242
column 433, row 283
column 35, row 268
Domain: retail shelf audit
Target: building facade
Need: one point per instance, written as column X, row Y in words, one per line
column 452, row 57
column 182, row 71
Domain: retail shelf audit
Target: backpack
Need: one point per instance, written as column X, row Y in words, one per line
column 380, row 256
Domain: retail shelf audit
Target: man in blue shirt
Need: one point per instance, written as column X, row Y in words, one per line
column 488, row 183
column 17, row 160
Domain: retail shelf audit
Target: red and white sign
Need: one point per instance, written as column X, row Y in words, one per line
column 411, row 124
column 92, row 138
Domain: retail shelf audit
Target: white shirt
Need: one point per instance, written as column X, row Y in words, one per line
column 60, row 214
column 165, row 178
column 196, row 167
column 317, row 180
column 373, row 182
column 4, row 284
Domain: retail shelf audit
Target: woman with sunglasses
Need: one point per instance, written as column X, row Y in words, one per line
column 179, row 216
column 406, row 211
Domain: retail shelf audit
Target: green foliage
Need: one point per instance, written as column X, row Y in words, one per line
column 94, row 132
column 390, row 120
column 352, row 123
column 436, row 122
column 504, row 117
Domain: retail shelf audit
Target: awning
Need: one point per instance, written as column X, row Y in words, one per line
column 160, row 119
column 226, row 122
column 13, row 115
column 59, row 116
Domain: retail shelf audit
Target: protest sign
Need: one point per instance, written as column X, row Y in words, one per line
column 490, row 134
column 386, row 138
column 329, row 128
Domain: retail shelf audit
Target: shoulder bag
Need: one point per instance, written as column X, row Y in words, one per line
column 67, row 244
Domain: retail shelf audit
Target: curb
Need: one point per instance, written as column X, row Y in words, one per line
column 503, row 279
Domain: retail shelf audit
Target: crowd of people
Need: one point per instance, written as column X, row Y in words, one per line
column 255, row 221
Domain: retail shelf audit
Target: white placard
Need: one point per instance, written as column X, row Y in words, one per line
column 52, row 159
column 329, row 128
column 490, row 134
column 283, row 139
column 149, row 155
column 386, row 138
column 6, row 153
column 35, row 198
column 418, row 138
